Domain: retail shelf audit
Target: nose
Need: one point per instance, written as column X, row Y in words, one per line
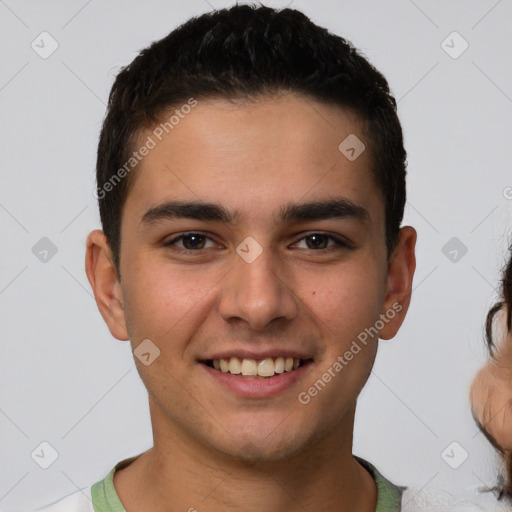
column 257, row 292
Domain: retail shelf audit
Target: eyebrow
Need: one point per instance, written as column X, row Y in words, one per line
column 336, row 208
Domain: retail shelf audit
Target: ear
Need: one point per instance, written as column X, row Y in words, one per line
column 399, row 283
column 102, row 276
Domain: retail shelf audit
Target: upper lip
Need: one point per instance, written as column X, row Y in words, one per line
column 245, row 353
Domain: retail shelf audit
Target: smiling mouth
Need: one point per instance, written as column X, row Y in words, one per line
column 256, row 369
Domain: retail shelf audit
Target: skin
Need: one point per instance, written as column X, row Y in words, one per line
column 214, row 450
column 491, row 389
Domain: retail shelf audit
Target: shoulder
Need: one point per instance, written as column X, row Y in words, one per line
column 79, row 501
column 440, row 500
column 105, row 496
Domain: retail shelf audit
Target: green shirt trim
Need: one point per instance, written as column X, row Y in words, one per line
column 389, row 495
column 103, row 493
column 105, row 498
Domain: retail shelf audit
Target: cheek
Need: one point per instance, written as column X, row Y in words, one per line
column 491, row 400
column 346, row 299
column 160, row 299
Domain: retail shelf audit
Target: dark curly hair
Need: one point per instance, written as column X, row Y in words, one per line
column 503, row 487
column 247, row 52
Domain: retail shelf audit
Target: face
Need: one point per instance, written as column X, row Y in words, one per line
column 491, row 389
column 249, row 238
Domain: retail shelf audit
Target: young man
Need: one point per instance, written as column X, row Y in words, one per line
column 251, row 184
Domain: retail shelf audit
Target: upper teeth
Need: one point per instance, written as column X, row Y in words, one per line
column 251, row 367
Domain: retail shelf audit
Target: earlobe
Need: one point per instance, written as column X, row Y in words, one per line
column 399, row 283
column 102, row 276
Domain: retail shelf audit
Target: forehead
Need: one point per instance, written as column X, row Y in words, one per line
column 255, row 157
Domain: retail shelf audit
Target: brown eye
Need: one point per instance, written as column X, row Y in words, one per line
column 320, row 241
column 191, row 242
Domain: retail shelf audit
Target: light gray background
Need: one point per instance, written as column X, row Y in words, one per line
column 66, row 381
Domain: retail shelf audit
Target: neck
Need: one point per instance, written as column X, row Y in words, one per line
column 179, row 474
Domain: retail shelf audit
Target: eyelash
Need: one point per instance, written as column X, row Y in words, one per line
column 340, row 243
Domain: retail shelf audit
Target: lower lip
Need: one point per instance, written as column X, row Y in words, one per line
column 258, row 388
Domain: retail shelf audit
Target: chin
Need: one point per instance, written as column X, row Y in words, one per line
column 260, row 445
column 262, row 451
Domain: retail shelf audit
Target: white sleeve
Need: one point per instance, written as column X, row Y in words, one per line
column 79, row 501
